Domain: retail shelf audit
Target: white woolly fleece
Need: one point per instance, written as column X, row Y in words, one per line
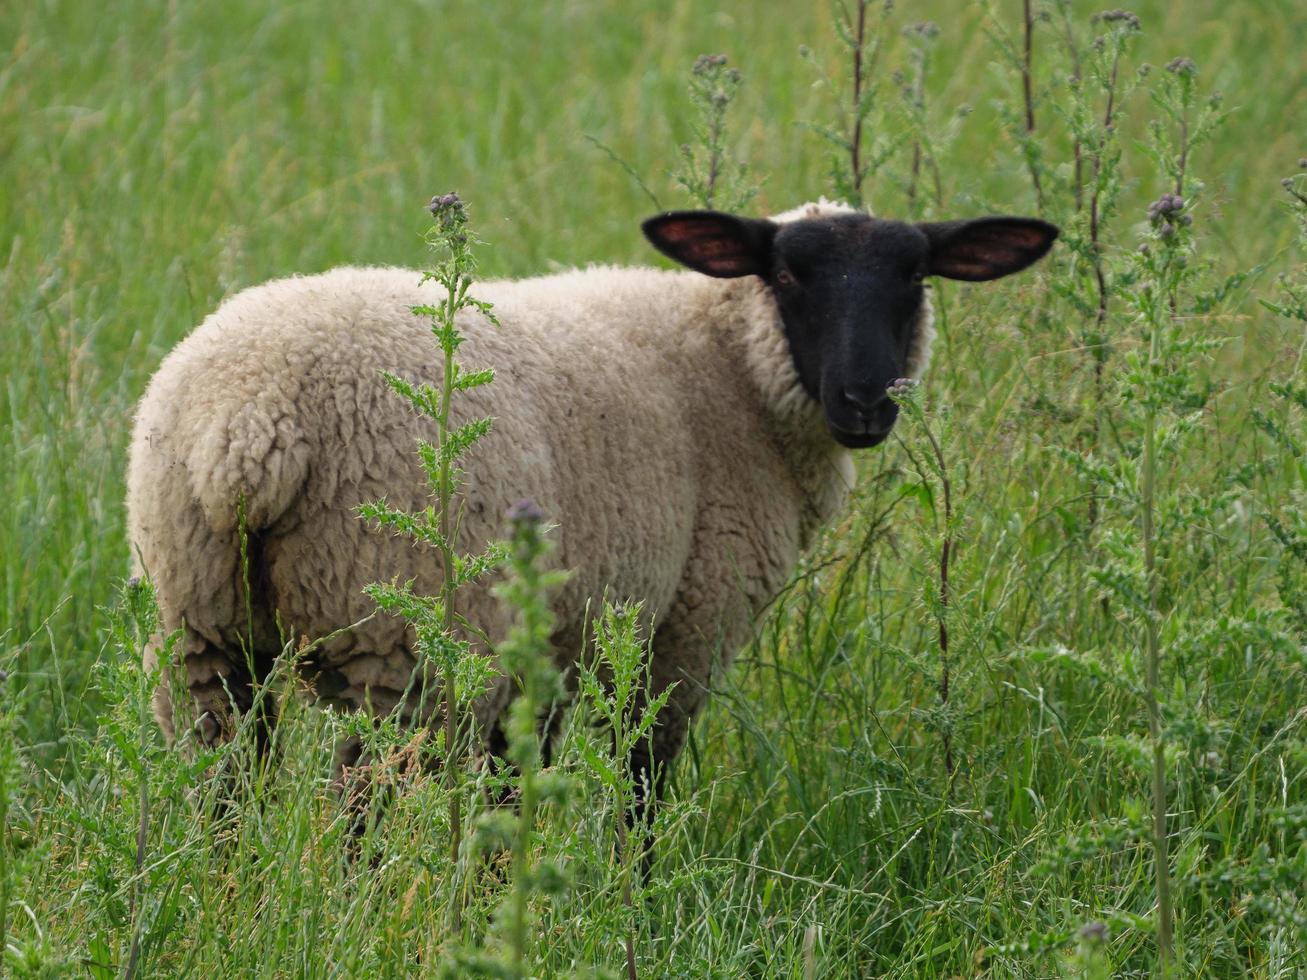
column 655, row 416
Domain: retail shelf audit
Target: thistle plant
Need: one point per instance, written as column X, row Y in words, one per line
column 1160, row 389
column 933, row 471
column 1155, row 300
column 1286, row 427
column 1096, row 98
column 707, row 172
column 861, row 29
column 611, row 693
column 525, row 657
column 926, row 144
column 442, row 646
column 1018, row 57
column 10, row 777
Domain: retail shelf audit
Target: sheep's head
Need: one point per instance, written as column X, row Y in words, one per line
column 850, row 290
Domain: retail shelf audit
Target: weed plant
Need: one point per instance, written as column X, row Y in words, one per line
column 1114, row 783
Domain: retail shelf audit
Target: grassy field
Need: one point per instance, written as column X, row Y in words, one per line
column 1115, row 484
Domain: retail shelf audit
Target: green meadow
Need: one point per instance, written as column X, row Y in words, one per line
column 1121, row 435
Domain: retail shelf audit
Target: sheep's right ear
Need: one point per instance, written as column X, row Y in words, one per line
column 714, row 243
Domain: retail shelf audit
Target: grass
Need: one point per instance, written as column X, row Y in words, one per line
column 158, row 157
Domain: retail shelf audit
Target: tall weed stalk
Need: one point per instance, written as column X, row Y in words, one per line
column 857, row 140
column 441, row 640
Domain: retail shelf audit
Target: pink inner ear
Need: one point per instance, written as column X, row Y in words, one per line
column 1024, row 236
column 690, row 230
column 974, row 258
column 680, row 231
column 718, row 248
column 964, row 267
column 706, row 243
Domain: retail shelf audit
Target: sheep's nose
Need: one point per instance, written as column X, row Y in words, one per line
column 874, row 407
column 865, row 400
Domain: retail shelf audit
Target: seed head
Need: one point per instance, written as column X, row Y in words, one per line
column 134, row 582
column 525, row 512
column 442, row 203
column 1126, row 19
column 900, row 387
column 1094, row 932
column 926, row 30
column 1302, row 164
column 705, row 63
column 1184, row 67
column 1161, row 210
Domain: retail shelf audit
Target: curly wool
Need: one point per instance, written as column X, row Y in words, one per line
column 655, row 416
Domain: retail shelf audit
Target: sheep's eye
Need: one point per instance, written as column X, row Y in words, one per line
column 785, row 278
column 918, row 278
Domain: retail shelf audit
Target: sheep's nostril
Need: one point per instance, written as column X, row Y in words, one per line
column 865, row 400
column 873, row 408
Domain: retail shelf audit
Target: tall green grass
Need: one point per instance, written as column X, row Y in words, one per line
column 155, row 158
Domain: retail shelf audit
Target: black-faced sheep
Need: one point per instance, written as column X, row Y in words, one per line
column 688, row 432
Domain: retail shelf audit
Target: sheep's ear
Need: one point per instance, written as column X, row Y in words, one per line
column 713, row 243
column 986, row 248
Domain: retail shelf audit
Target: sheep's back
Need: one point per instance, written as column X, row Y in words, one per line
column 277, row 400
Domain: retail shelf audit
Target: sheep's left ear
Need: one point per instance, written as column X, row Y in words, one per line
column 986, row 248
column 713, row 243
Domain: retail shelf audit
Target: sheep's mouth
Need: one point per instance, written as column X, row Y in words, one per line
column 857, row 440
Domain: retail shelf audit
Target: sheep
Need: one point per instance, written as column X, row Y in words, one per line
column 689, row 431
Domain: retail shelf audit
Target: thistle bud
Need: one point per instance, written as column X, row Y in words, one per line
column 525, row 512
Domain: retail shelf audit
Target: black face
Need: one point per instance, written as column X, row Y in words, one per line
column 850, row 289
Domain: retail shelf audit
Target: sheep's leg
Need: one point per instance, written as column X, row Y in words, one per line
column 682, row 660
column 222, row 692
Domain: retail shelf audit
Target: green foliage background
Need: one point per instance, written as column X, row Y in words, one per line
column 157, row 157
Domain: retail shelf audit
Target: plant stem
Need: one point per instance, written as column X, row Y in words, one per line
column 1153, row 647
column 855, row 140
column 945, row 554
column 1184, row 150
column 448, row 587
column 1076, row 149
column 1100, row 350
column 714, row 158
column 1094, row 224
column 521, row 876
column 143, row 821
column 1027, row 88
column 7, row 750
column 628, row 866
